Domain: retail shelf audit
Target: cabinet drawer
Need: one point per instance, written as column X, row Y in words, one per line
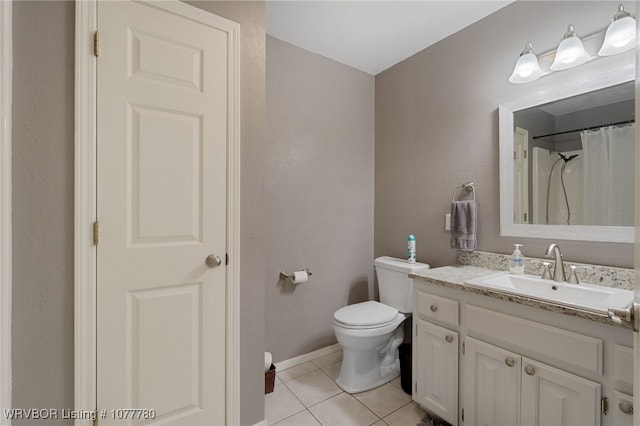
column 564, row 347
column 436, row 308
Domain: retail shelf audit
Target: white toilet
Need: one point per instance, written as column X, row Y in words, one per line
column 370, row 332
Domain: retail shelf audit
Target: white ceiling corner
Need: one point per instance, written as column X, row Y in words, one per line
column 371, row 35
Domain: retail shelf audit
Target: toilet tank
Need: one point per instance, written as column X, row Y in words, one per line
column 396, row 288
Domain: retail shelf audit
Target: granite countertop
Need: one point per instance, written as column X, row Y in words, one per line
column 456, row 276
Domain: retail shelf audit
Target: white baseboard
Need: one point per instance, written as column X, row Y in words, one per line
column 292, row 362
column 262, row 423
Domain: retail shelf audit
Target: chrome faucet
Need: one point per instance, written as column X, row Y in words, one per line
column 558, row 269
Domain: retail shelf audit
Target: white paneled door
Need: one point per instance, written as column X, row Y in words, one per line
column 436, row 370
column 162, row 134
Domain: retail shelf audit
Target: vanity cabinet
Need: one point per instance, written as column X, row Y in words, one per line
column 502, row 386
column 436, row 369
column 477, row 360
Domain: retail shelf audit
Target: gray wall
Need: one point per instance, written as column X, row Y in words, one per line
column 437, row 127
column 42, row 323
column 318, row 194
column 43, row 163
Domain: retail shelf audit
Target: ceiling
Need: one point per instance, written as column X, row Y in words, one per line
column 371, row 35
column 597, row 98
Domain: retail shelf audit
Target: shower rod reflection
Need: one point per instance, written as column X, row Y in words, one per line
column 618, row 123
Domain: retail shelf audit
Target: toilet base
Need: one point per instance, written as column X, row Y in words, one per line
column 365, row 368
column 361, row 387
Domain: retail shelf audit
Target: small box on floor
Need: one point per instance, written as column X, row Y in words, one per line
column 269, row 379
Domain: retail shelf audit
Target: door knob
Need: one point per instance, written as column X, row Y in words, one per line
column 213, row 261
column 510, row 361
column 530, row 370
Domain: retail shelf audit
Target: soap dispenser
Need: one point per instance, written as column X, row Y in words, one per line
column 516, row 264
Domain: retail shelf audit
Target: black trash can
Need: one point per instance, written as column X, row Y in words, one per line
column 404, row 353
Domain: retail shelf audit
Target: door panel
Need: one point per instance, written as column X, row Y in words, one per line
column 491, row 385
column 555, row 397
column 162, row 146
column 437, row 370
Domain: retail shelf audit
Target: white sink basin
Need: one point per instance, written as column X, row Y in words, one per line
column 583, row 296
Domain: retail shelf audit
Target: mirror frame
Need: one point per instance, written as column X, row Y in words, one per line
column 617, row 234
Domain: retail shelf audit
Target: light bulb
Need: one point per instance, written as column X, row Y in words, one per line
column 527, row 68
column 620, row 35
column 570, row 52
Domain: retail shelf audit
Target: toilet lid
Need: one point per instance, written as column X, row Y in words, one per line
column 366, row 314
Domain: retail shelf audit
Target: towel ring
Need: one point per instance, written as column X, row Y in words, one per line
column 469, row 187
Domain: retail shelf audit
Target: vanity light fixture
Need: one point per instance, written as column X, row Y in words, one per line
column 620, row 35
column 570, row 52
column 527, row 68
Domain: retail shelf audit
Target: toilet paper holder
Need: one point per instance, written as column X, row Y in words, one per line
column 284, row 275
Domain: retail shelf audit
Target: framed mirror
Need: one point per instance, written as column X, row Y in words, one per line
column 567, row 160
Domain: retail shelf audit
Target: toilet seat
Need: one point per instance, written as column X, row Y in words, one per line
column 365, row 315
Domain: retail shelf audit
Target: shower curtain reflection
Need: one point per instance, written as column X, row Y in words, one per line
column 557, row 187
column 608, row 176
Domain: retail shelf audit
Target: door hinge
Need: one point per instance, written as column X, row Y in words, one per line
column 515, row 156
column 226, row 259
column 96, row 233
column 463, row 348
column 416, row 387
column 462, row 415
column 604, row 405
column 525, row 217
column 525, row 154
column 96, row 45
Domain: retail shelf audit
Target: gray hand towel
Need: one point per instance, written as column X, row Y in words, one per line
column 464, row 225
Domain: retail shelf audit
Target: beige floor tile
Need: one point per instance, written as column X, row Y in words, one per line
column 410, row 414
column 383, row 400
column 396, row 382
column 328, row 359
column 280, row 403
column 297, row 371
column 303, row 418
column 333, row 370
column 343, row 410
column 313, row 387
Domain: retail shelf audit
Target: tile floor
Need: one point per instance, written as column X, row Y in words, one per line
column 307, row 395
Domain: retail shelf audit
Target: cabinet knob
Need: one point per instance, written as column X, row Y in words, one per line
column 530, row 370
column 626, row 408
column 449, row 338
column 510, row 361
column 434, row 308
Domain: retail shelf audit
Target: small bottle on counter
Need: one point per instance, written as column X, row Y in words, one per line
column 516, row 263
column 411, row 249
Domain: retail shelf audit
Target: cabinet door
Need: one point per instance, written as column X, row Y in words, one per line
column 491, row 385
column 436, row 370
column 621, row 409
column 553, row 397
